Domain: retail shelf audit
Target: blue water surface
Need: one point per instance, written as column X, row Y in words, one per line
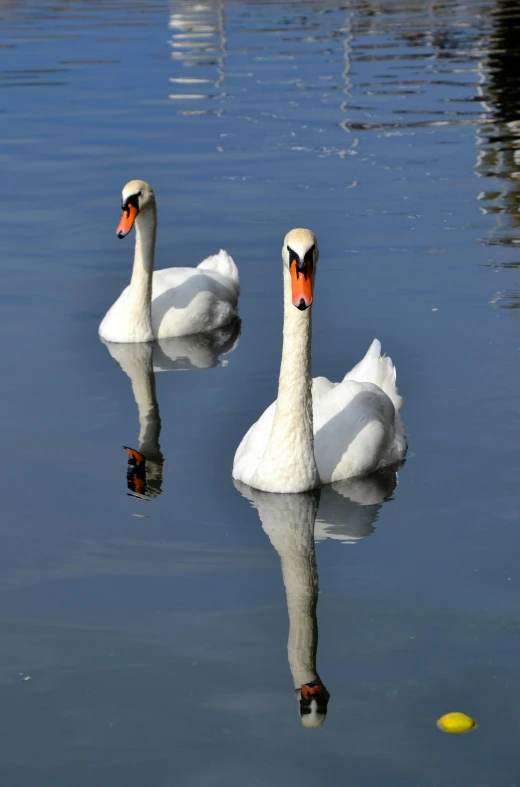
column 144, row 641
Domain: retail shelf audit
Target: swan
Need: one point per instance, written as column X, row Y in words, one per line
column 317, row 432
column 172, row 301
column 294, row 524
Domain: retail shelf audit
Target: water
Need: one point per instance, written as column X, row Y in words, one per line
column 155, row 630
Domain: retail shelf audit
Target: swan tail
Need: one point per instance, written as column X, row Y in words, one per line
column 221, row 263
column 378, row 369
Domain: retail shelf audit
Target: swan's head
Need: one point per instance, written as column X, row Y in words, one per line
column 137, row 196
column 300, row 254
column 314, row 699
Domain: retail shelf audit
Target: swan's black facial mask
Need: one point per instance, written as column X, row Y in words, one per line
column 301, row 277
column 130, row 211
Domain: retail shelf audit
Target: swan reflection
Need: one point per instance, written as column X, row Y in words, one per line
column 140, row 361
column 349, row 509
column 346, row 512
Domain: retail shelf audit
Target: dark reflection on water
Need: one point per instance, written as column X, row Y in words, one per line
column 499, row 138
column 154, row 631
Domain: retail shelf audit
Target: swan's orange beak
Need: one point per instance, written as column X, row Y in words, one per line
column 127, row 220
column 301, row 281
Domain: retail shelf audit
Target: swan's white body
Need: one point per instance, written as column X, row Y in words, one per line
column 357, row 429
column 318, row 432
column 173, row 301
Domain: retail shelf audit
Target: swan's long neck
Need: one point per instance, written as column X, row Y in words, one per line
column 139, row 303
column 288, row 463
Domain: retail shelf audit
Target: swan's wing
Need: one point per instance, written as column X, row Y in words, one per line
column 166, row 279
column 378, row 369
column 191, row 300
column 223, row 264
column 320, row 387
column 354, row 431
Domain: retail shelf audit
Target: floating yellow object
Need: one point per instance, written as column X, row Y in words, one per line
column 456, row 722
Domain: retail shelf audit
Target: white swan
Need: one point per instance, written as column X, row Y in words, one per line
column 317, row 431
column 172, row 301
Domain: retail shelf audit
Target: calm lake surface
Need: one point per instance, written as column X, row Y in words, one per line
column 154, row 631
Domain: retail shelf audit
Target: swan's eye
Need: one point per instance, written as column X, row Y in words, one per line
column 132, row 200
column 307, row 263
column 293, row 257
column 309, row 259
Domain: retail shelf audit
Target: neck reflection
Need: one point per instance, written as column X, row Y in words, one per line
column 343, row 511
column 140, row 361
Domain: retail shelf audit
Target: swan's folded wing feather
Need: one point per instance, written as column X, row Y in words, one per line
column 354, row 428
column 378, row 369
column 205, row 279
column 320, row 387
column 223, row 264
column 191, row 300
column 166, row 279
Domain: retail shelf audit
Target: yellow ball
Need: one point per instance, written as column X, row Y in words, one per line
column 456, row 722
